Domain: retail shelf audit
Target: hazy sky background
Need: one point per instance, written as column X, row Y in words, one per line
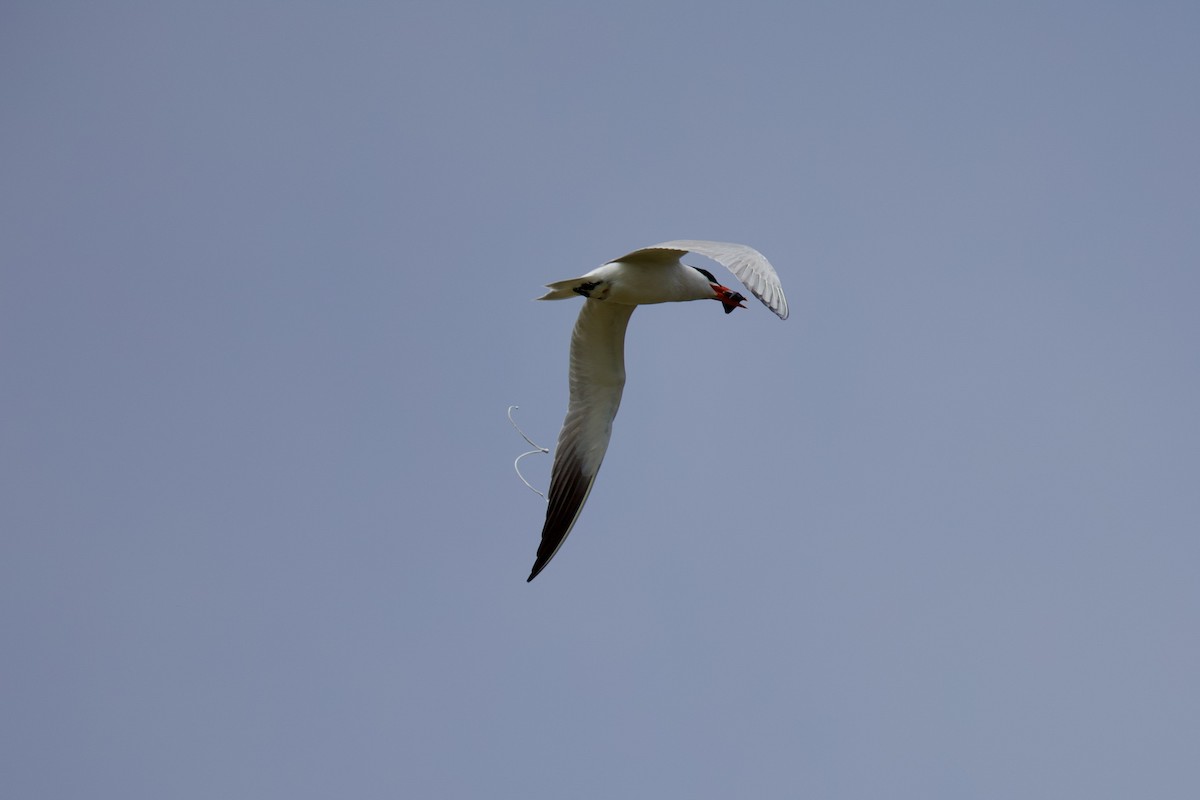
column 265, row 296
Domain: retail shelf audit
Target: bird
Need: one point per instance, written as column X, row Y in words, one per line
column 596, row 375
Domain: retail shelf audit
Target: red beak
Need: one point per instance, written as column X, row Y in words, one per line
column 729, row 298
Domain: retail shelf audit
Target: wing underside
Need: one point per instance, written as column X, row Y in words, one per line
column 597, row 378
column 747, row 264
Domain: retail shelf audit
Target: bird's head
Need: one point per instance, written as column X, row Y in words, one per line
column 729, row 298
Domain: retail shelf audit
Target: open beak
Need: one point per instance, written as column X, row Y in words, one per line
column 729, row 298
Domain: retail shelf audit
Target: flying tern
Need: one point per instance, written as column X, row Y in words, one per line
column 597, row 371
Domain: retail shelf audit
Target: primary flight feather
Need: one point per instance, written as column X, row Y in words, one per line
column 597, row 371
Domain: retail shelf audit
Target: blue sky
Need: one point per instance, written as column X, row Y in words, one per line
column 265, row 281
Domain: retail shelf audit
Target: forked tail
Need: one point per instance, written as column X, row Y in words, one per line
column 562, row 290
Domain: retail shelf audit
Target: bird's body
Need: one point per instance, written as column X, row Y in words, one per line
column 597, row 369
column 637, row 282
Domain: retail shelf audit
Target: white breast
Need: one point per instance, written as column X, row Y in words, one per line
column 642, row 283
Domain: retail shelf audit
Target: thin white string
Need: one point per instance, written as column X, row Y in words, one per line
column 517, row 461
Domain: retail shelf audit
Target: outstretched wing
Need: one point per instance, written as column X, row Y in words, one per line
column 750, row 266
column 597, row 378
